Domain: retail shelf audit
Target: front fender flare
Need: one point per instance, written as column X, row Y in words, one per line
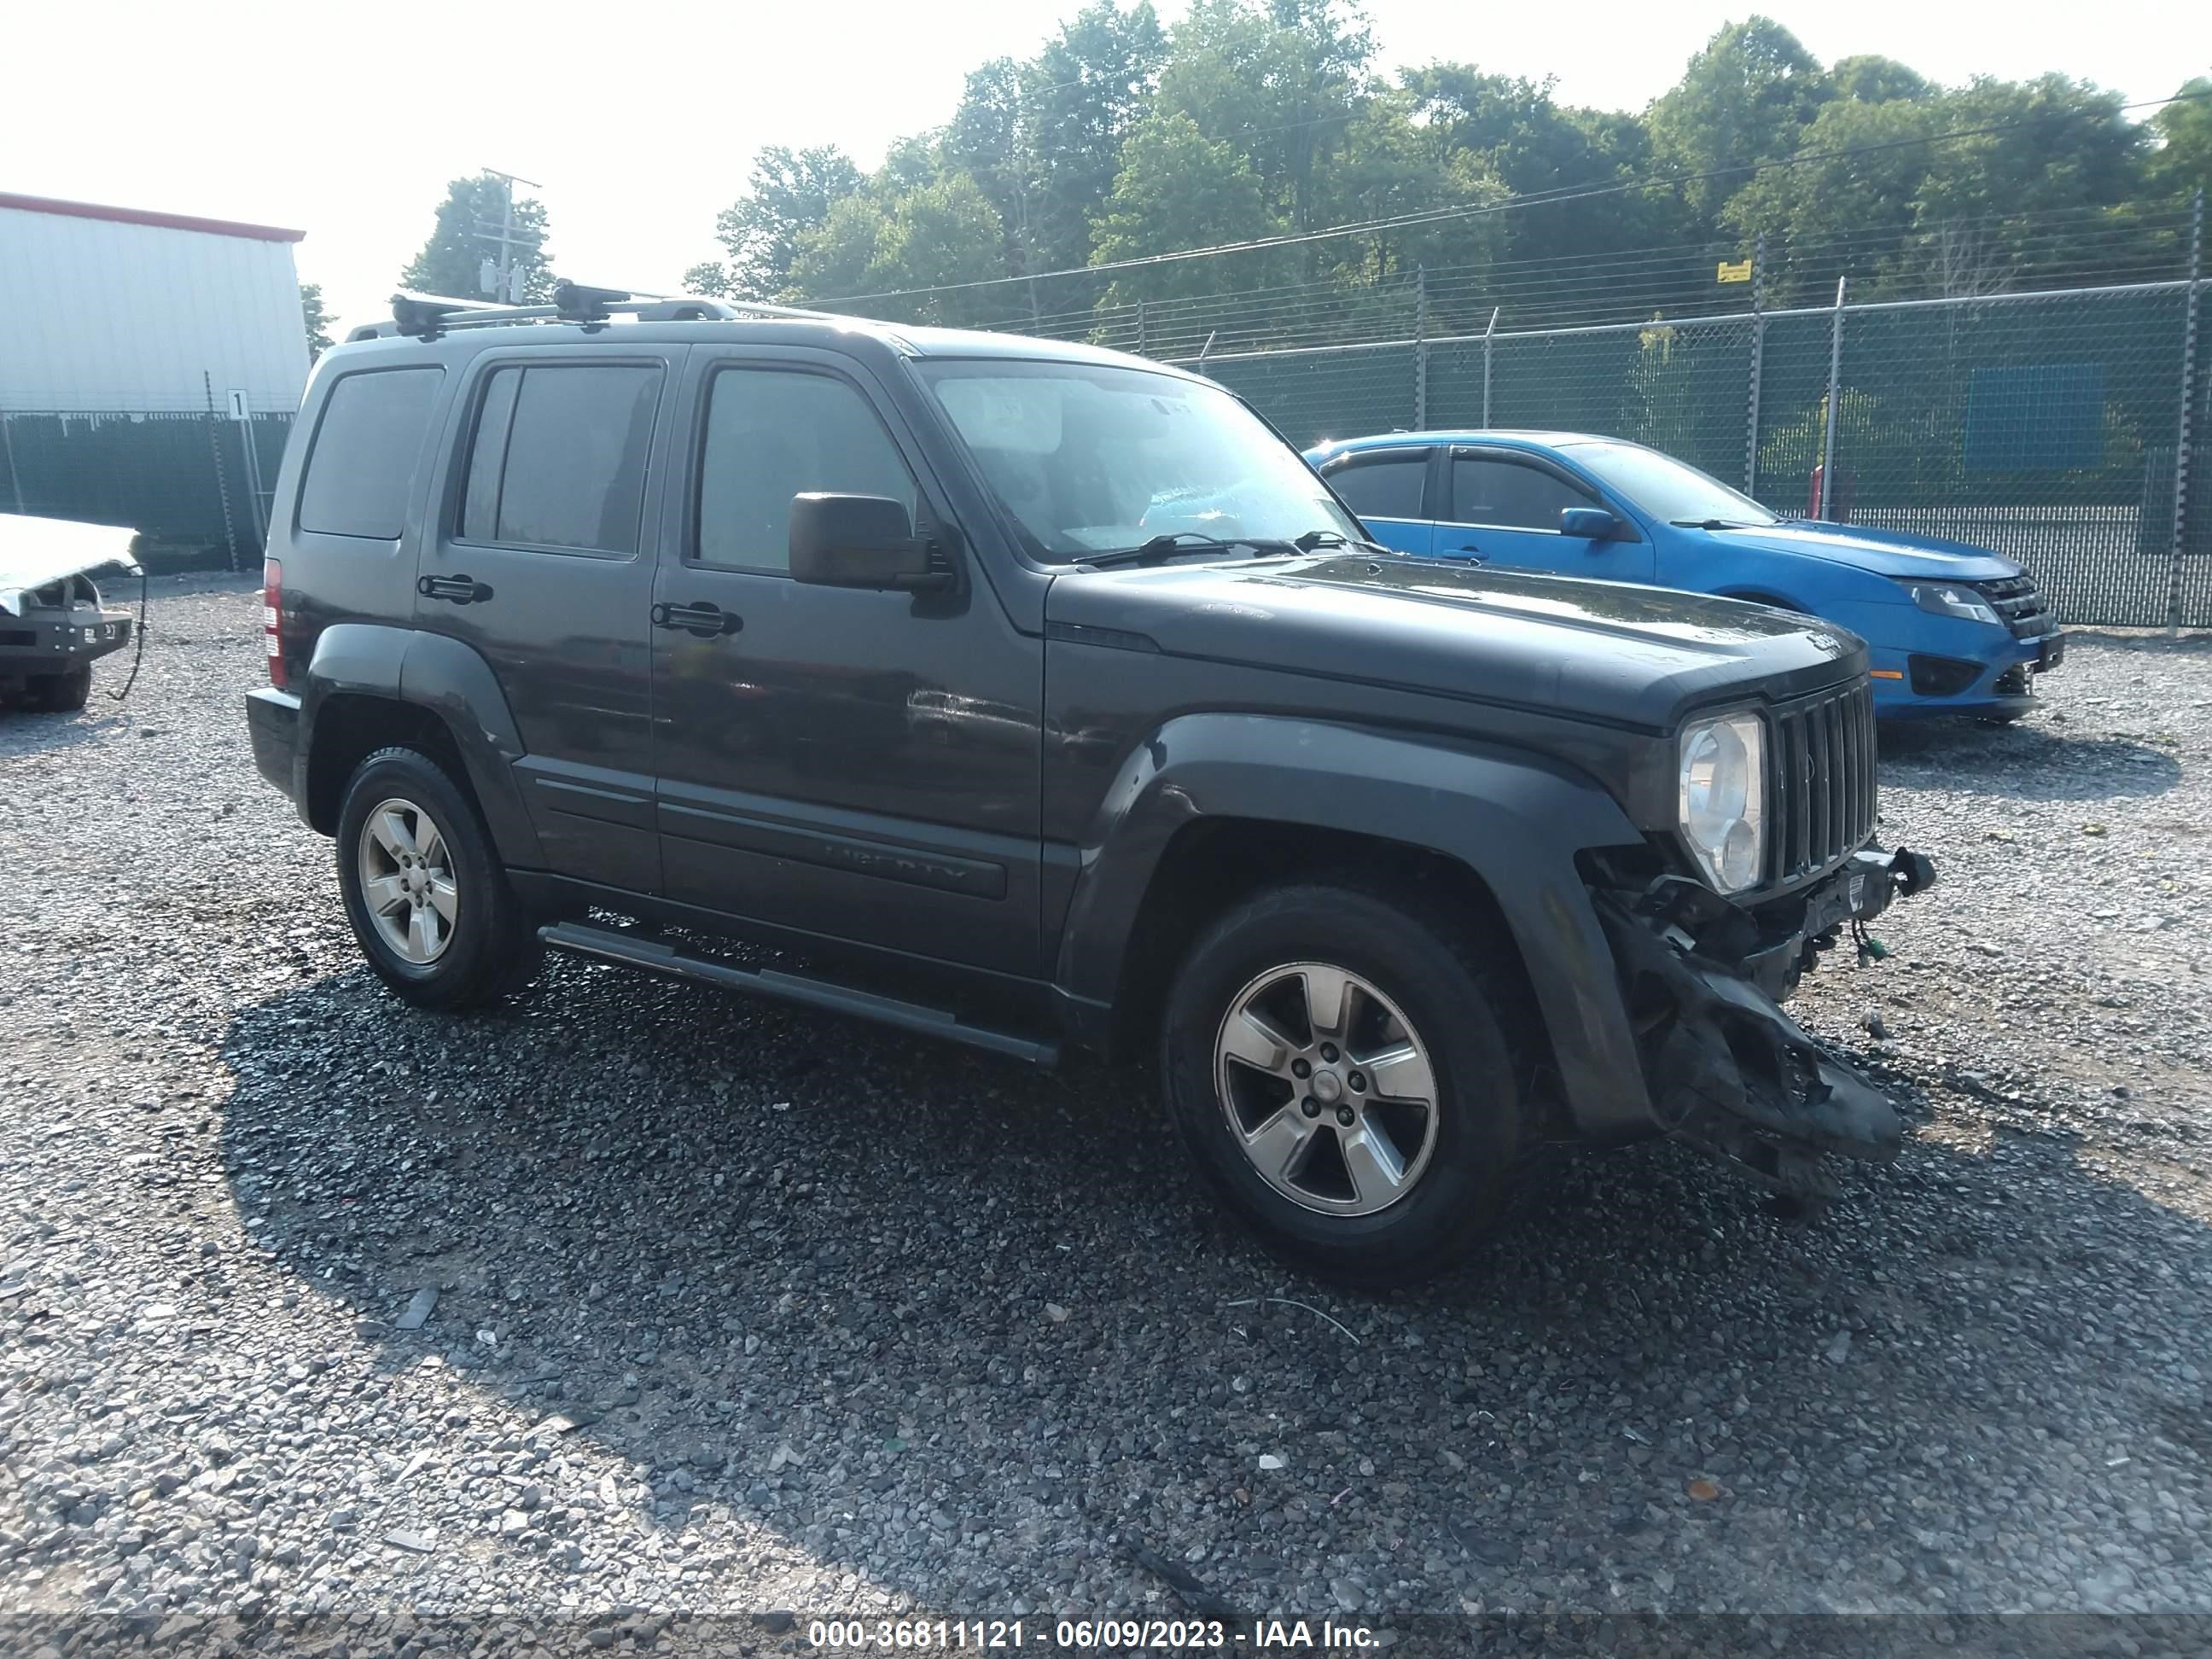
column 1515, row 820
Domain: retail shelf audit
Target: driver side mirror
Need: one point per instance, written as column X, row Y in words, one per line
column 858, row 541
column 1589, row 524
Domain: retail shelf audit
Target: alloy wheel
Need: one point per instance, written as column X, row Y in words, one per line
column 1328, row 1090
column 407, row 881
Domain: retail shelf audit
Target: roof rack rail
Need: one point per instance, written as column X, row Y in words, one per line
column 426, row 316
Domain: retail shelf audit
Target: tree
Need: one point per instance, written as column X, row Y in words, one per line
column 1831, row 193
column 941, row 235
column 1872, row 79
column 466, row 234
column 2054, row 144
column 1080, row 96
column 1941, row 191
column 2183, row 161
column 987, row 141
column 789, row 193
column 1282, row 82
column 1386, row 166
column 1535, row 147
column 1745, row 98
column 315, row 319
column 1177, row 189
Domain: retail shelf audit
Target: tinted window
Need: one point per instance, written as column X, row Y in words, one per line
column 361, row 470
column 1385, row 489
column 558, row 459
column 773, row 433
column 488, row 454
column 1511, row 495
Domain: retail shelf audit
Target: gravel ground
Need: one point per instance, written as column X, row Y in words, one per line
column 732, row 1308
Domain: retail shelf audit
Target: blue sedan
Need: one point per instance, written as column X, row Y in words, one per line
column 1952, row 629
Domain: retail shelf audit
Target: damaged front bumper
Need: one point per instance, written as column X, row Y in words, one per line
column 1728, row 1072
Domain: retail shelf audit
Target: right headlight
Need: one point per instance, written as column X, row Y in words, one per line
column 1724, row 798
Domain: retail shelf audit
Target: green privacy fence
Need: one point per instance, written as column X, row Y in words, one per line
column 2044, row 425
column 185, row 481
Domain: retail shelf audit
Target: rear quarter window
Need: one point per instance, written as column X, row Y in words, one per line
column 367, row 444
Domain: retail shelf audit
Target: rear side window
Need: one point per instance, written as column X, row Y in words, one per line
column 1386, row 487
column 558, row 457
column 774, row 433
column 1512, row 494
column 360, row 471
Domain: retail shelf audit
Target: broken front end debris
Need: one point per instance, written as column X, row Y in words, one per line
column 1730, row 1071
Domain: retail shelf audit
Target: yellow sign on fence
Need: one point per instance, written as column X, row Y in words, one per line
column 1739, row 273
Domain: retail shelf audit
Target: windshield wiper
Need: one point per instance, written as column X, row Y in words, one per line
column 1712, row 524
column 1161, row 548
column 1314, row 540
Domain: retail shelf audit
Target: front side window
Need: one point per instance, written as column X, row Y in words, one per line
column 360, row 472
column 1382, row 486
column 558, row 458
column 1512, row 494
column 774, row 433
column 1091, row 457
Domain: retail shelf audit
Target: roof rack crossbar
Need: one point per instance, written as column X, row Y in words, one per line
column 426, row 315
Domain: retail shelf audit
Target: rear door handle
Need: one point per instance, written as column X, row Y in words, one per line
column 461, row 589
column 704, row 618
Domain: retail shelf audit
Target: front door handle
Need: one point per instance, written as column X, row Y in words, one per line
column 704, row 618
column 461, row 589
column 1474, row 554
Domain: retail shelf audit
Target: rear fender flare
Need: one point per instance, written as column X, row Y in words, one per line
column 1516, row 820
column 447, row 679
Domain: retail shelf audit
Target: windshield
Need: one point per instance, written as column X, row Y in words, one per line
column 1665, row 488
column 1091, row 459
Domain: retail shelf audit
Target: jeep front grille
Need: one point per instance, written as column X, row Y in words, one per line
column 2018, row 605
column 1824, row 782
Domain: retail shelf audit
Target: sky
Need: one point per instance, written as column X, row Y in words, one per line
column 344, row 119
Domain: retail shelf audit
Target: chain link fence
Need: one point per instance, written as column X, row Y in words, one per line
column 2042, row 425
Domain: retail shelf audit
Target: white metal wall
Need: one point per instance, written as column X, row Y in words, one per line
column 102, row 315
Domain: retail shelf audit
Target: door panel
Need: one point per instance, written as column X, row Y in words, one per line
column 859, row 764
column 542, row 571
column 1389, row 489
column 1505, row 507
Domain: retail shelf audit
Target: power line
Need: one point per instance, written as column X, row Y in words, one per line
column 1439, row 216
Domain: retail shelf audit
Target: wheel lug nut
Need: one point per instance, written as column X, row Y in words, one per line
column 1359, row 1082
column 1300, row 1069
column 1329, row 1053
column 1310, row 1106
column 1344, row 1116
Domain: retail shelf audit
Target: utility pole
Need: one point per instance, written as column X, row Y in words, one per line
column 500, row 278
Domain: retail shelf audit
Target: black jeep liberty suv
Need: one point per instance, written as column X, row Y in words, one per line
column 1041, row 698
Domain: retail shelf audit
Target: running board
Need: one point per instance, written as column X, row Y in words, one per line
column 638, row 951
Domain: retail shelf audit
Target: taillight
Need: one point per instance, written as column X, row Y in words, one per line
column 272, row 611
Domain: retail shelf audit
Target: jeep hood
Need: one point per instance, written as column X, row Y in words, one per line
column 1612, row 652
column 1884, row 552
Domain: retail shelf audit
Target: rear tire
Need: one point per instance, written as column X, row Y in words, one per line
column 428, row 900
column 61, row 694
column 1308, row 1157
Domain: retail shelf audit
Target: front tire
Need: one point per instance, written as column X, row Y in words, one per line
column 1338, row 1066
column 427, row 898
column 61, row 694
